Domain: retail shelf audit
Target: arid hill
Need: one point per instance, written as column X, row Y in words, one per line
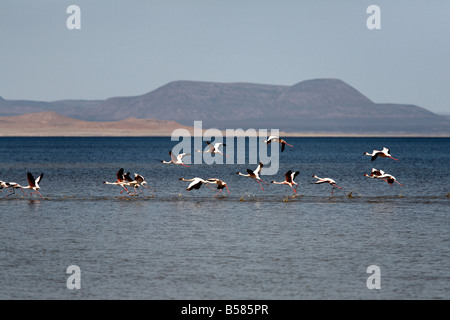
column 51, row 124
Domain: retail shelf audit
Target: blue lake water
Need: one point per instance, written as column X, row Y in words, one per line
column 169, row 243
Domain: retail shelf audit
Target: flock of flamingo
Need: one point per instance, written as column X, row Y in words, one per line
column 125, row 181
column 33, row 184
column 197, row 182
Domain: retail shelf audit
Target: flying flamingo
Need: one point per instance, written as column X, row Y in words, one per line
column 220, row 184
column 380, row 174
column 120, row 181
column 375, row 174
column 196, row 183
column 279, row 140
column 385, row 153
column 138, row 181
column 327, row 180
column 214, row 148
column 33, row 184
column 290, row 176
column 176, row 160
column 127, row 181
column 254, row 174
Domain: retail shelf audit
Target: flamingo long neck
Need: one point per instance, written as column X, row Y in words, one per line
column 106, row 182
column 242, row 174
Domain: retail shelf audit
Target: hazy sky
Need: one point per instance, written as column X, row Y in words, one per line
column 127, row 48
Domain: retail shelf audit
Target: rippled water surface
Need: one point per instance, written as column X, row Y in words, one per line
column 169, row 243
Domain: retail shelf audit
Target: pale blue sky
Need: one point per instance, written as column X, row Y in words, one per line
column 127, row 48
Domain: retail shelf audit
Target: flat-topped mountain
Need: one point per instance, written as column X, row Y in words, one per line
column 319, row 105
column 186, row 101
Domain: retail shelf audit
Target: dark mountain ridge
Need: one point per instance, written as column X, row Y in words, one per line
column 318, row 105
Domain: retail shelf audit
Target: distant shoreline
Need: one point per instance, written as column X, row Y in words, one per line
column 165, row 135
column 51, row 124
